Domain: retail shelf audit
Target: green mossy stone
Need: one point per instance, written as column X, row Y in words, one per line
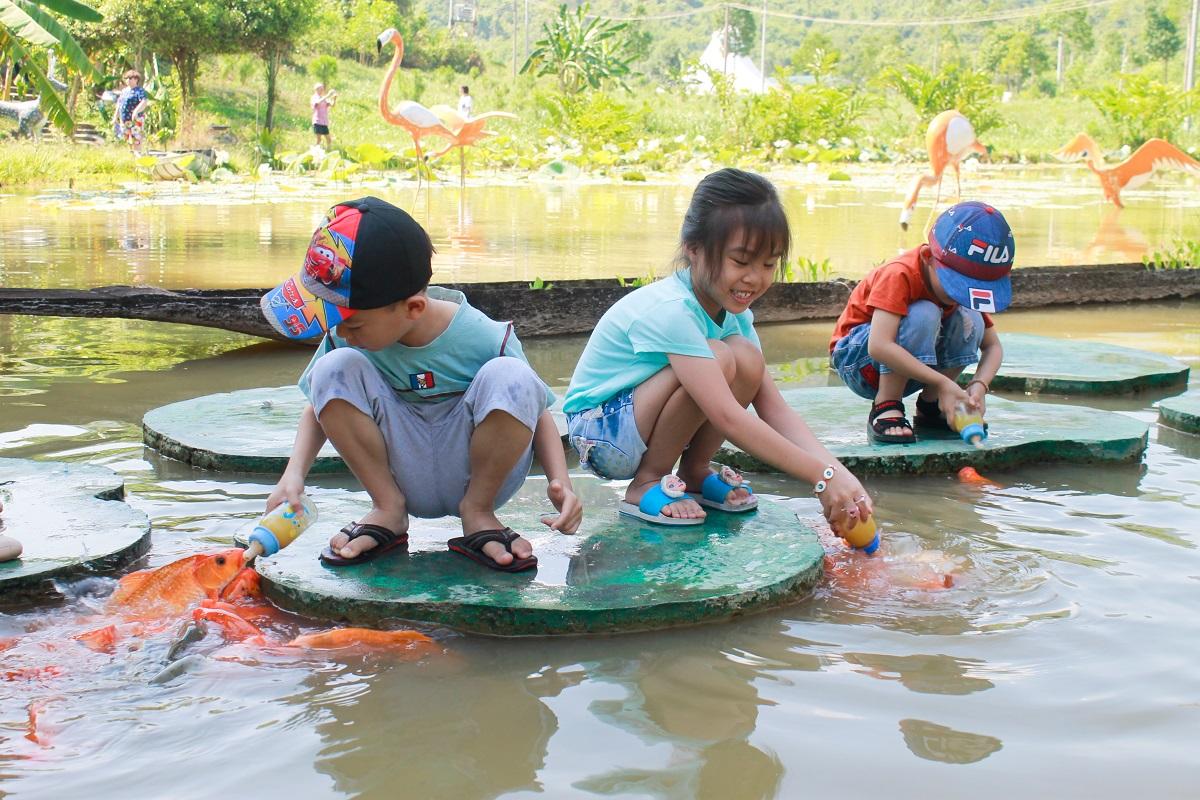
column 1182, row 412
column 1021, row 433
column 1042, row 364
column 616, row 575
column 251, row 430
column 71, row 521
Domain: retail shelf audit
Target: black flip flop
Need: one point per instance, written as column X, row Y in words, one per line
column 385, row 540
column 876, row 426
column 472, row 544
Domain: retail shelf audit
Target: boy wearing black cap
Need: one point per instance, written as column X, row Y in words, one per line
column 915, row 322
column 430, row 402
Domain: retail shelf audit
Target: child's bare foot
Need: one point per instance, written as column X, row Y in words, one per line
column 683, row 508
column 476, row 520
column 342, row 545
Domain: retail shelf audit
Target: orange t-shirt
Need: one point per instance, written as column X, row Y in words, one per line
column 893, row 287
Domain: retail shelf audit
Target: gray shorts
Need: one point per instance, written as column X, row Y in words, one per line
column 429, row 442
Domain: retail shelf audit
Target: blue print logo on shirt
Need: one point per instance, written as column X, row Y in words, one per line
column 421, row 380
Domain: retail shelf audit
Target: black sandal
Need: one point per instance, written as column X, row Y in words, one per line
column 876, row 427
column 385, row 540
column 472, row 544
column 930, row 417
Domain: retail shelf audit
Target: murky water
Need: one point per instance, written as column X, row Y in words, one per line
column 252, row 235
column 1061, row 657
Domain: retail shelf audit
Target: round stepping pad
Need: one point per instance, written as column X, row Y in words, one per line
column 1021, row 433
column 1038, row 364
column 1182, row 412
column 251, row 430
column 70, row 520
column 616, row 575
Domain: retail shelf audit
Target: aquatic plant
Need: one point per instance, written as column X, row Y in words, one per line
column 1185, row 254
column 539, row 285
column 805, row 270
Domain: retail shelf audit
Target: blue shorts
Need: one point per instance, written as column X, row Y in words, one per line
column 607, row 438
column 941, row 344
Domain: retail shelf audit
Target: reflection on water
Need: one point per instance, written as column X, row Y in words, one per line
column 1069, row 626
column 253, row 235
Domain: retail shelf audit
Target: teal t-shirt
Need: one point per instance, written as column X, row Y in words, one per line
column 446, row 366
column 631, row 341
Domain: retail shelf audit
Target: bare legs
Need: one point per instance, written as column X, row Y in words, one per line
column 671, row 423
column 891, row 387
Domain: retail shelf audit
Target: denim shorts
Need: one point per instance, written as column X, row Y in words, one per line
column 941, row 344
column 607, row 438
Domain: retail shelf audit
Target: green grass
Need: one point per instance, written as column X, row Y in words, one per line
column 33, row 164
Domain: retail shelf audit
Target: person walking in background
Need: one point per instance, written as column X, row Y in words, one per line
column 129, row 118
column 465, row 103
column 321, row 102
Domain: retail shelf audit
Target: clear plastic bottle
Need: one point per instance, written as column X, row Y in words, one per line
column 863, row 536
column 280, row 526
column 969, row 425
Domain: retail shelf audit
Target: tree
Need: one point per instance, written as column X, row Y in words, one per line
column 1014, row 55
column 969, row 91
column 271, row 29
column 743, row 30
column 181, row 30
column 580, row 52
column 28, row 24
column 1162, row 37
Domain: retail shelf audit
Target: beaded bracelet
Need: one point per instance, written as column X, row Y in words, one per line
column 986, row 388
column 823, row 484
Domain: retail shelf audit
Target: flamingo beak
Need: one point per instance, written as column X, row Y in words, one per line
column 383, row 39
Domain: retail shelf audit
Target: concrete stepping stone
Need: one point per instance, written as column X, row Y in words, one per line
column 1043, row 364
column 1021, row 433
column 1181, row 412
column 616, row 575
column 71, row 522
column 251, row 430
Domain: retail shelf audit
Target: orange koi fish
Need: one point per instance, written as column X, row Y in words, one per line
column 172, row 588
column 350, row 637
column 969, row 475
column 246, row 585
column 102, row 640
column 233, row 627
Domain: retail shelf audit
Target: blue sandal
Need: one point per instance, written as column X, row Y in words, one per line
column 649, row 508
column 716, row 488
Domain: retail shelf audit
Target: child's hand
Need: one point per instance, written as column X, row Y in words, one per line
column 570, row 509
column 844, row 501
column 288, row 489
column 950, row 394
column 977, row 393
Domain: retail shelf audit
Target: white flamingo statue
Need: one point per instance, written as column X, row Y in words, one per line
column 415, row 118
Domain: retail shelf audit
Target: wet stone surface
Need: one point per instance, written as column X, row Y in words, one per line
column 70, row 520
column 1020, row 433
column 1041, row 364
column 615, row 575
column 1181, row 412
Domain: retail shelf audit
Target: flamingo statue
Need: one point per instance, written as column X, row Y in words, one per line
column 950, row 139
column 415, row 118
column 465, row 132
column 1154, row 155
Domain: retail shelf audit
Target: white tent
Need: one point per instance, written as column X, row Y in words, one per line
column 742, row 69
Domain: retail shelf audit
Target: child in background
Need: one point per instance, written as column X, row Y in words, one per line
column 671, row 367
column 321, row 101
column 465, row 103
column 430, row 403
column 915, row 322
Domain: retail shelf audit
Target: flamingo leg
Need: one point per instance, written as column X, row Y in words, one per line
column 919, row 183
column 420, row 162
column 958, row 182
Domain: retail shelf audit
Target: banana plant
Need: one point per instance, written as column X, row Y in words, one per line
column 26, row 25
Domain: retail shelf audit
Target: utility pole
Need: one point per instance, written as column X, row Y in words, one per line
column 450, row 16
column 1058, row 74
column 527, row 28
column 1189, row 70
column 762, row 53
column 514, row 38
column 725, row 48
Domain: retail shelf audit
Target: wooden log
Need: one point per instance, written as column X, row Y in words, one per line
column 572, row 307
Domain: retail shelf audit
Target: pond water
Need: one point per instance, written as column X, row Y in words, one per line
column 253, row 234
column 1062, row 657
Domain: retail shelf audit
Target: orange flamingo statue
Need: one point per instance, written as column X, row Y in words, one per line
column 1154, row 155
column 465, row 132
column 415, row 118
column 950, row 139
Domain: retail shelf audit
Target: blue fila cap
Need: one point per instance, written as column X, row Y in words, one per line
column 973, row 251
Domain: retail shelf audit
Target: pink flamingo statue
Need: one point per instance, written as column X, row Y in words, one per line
column 950, row 139
column 465, row 132
column 1151, row 157
column 415, row 118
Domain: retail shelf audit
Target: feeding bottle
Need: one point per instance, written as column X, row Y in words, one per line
column 863, row 536
column 280, row 526
column 969, row 425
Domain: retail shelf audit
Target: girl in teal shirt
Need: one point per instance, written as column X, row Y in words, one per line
column 670, row 369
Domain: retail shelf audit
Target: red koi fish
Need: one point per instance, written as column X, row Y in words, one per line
column 172, row 588
column 350, row 637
